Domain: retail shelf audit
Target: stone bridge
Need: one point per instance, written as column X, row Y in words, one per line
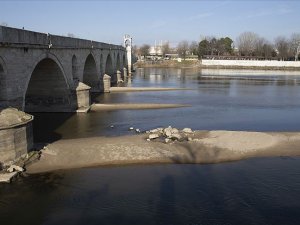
column 42, row 72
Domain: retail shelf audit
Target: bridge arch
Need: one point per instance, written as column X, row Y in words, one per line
column 101, row 65
column 90, row 76
column 47, row 89
column 75, row 69
column 109, row 69
column 118, row 64
column 124, row 61
column 2, row 83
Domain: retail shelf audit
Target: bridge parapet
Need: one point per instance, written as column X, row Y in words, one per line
column 14, row 36
column 40, row 72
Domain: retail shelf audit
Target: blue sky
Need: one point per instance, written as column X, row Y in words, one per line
column 147, row 21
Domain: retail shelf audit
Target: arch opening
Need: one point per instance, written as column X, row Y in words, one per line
column 124, row 61
column 101, row 85
column 2, row 87
column 90, row 73
column 47, row 89
column 75, row 69
column 109, row 70
column 118, row 65
column 101, row 64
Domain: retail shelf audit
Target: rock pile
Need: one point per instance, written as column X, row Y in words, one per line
column 170, row 134
column 11, row 169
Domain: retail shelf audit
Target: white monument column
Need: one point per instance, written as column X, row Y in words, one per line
column 128, row 46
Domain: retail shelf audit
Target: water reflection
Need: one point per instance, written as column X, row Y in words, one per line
column 268, row 102
column 256, row 191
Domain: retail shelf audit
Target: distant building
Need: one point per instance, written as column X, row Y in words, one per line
column 156, row 50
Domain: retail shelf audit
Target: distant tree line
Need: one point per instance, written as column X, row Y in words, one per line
column 247, row 45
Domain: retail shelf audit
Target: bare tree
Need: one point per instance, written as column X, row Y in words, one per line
column 246, row 43
column 182, row 49
column 165, row 48
column 193, row 48
column 263, row 48
column 282, row 46
column 144, row 50
column 295, row 45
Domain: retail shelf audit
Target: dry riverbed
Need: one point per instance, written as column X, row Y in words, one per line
column 165, row 147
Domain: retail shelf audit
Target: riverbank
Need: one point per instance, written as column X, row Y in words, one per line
column 199, row 147
column 223, row 64
column 168, row 64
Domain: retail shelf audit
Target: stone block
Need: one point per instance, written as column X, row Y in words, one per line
column 16, row 137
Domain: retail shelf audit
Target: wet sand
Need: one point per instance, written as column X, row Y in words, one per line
column 205, row 147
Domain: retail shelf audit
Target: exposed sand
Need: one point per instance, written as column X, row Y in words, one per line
column 136, row 89
column 108, row 107
column 206, row 147
column 239, row 141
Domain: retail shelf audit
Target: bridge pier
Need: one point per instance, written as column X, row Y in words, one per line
column 83, row 96
column 106, row 83
column 16, row 138
column 125, row 73
column 119, row 77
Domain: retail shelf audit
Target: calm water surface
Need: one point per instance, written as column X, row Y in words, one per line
column 264, row 103
column 255, row 191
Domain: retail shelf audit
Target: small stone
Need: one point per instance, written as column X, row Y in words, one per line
column 147, row 132
column 112, row 126
column 6, row 177
column 148, row 139
column 174, row 131
column 187, row 130
column 131, row 128
column 190, row 139
column 157, row 130
column 169, row 131
column 48, row 151
column 13, row 168
column 137, row 130
column 167, row 140
column 153, row 136
column 176, row 136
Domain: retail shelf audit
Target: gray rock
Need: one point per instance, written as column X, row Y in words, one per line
column 157, row 130
column 137, row 130
column 131, row 128
column 6, row 177
column 174, row 131
column 13, row 168
column 187, row 130
column 153, row 136
column 167, row 140
column 176, row 136
column 169, row 131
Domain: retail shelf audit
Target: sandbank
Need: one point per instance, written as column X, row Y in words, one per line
column 203, row 147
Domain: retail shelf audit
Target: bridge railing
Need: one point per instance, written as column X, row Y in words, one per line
column 14, row 36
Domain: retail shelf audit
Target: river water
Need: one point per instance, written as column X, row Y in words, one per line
column 254, row 191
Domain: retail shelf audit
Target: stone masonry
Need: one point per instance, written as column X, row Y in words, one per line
column 41, row 72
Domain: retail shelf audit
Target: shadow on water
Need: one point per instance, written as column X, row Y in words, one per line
column 46, row 124
column 166, row 212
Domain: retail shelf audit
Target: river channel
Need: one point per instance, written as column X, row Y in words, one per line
column 253, row 191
